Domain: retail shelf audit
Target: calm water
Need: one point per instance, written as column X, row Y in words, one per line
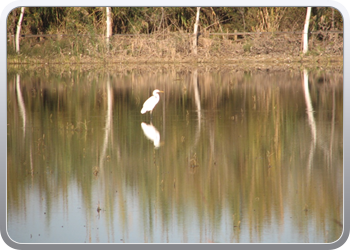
column 229, row 155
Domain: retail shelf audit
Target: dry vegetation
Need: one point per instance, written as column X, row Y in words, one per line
column 163, row 35
column 175, row 48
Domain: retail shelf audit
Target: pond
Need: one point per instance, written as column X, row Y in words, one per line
column 228, row 155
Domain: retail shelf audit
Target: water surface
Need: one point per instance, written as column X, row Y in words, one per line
column 228, row 156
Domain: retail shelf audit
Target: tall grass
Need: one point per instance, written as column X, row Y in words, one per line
column 144, row 20
column 77, row 33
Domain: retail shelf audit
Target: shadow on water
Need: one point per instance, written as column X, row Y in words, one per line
column 229, row 156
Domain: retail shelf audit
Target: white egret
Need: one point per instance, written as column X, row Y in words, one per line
column 151, row 102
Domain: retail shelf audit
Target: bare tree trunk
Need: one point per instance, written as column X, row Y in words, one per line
column 306, row 30
column 18, row 31
column 334, row 36
column 195, row 33
column 109, row 24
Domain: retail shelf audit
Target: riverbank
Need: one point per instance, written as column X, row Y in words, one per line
column 176, row 48
column 247, row 62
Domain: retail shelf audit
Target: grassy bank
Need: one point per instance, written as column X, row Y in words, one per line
column 176, row 48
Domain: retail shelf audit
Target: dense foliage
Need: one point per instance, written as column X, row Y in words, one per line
column 76, row 34
column 145, row 20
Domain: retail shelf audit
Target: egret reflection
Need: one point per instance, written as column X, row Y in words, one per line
column 151, row 133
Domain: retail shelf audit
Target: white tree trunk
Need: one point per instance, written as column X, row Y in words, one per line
column 195, row 33
column 306, row 30
column 18, row 31
column 109, row 24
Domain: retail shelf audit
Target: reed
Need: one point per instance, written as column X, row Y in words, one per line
column 173, row 48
